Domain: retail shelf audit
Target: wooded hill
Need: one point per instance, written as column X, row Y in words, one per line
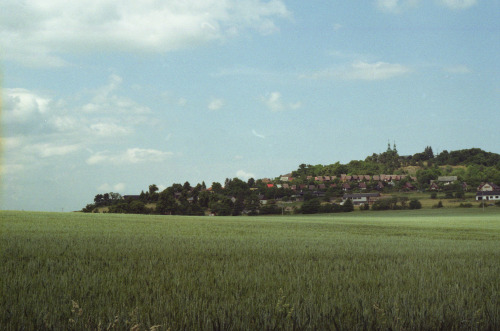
column 304, row 186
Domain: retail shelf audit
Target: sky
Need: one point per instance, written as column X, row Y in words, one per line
column 112, row 96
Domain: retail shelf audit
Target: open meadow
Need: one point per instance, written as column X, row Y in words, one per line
column 423, row 269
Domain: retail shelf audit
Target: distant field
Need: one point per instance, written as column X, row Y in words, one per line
column 424, row 269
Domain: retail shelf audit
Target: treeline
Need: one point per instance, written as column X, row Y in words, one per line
column 235, row 198
column 270, row 196
column 472, row 166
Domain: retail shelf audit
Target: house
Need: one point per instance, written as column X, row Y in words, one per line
column 447, row 180
column 486, row 187
column 361, row 198
column 434, row 187
column 487, row 195
column 362, row 185
column 346, row 186
column 488, row 191
column 380, row 186
column 408, row 186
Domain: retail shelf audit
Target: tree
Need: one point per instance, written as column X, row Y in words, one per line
column 252, row 204
column 348, row 206
column 310, row 206
column 153, row 188
column 153, row 195
column 166, row 202
column 429, row 154
column 216, row 187
column 238, row 206
column 415, row 204
column 98, row 200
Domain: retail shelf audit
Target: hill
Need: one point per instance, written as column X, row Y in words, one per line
column 320, row 188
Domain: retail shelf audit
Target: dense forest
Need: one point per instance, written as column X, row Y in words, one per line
column 306, row 185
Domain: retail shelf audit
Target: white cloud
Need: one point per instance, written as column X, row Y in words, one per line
column 105, row 101
column 50, row 149
column 22, row 105
column 130, row 156
column 459, row 4
column 110, row 130
column 460, row 69
column 37, row 32
column 396, row 6
column 258, row 135
column 275, row 103
column 375, row 71
column 243, row 175
column 215, row 104
column 361, row 70
column 120, row 187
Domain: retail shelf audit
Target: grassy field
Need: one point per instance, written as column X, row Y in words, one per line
column 425, row 269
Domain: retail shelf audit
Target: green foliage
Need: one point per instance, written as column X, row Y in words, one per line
column 415, row 204
column 385, row 204
column 438, row 205
column 424, row 270
column 424, row 176
column 348, row 206
column 131, row 207
column 188, row 200
column 311, row 206
column 472, row 156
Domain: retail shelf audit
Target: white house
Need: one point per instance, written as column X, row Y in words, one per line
column 488, row 191
column 361, row 198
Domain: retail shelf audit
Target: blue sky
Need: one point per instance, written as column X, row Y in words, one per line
column 107, row 95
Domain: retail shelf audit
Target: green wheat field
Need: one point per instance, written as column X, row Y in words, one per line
column 399, row 270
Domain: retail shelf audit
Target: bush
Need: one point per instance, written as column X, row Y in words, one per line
column 310, row 206
column 270, row 209
column 382, row 204
column 438, row 205
column 364, row 207
column 448, row 195
column 415, row 204
column 89, row 208
column 433, row 195
column 465, row 205
column 348, row 206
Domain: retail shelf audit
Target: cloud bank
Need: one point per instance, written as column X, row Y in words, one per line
column 37, row 32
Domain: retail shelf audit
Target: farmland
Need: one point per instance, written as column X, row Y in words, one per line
column 426, row 269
